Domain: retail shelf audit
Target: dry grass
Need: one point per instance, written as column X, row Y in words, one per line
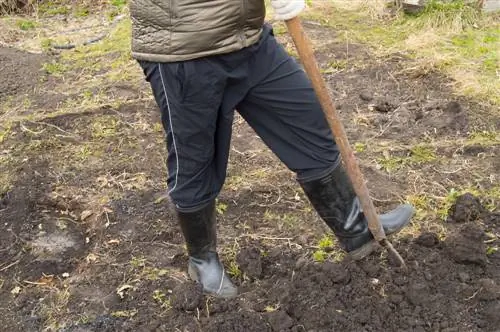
column 455, row 39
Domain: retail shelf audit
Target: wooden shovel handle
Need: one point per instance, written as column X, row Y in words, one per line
column 305, row 50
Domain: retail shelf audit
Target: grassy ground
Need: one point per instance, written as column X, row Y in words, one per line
column 89, row 146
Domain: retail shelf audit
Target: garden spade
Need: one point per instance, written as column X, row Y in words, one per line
column 305, row 50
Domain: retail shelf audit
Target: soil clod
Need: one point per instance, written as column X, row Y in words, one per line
column 249, row 261
column 467, row 208
column 428, row 240
column 466, row 246
column 187, row 296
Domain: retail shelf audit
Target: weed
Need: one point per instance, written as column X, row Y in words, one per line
column 84, row 319
column 54, row 310
column 221, row 208
column 491, row 250
column 421, row 154
column 359, row 147
column 279, row 29
column 271, row 308
column 138, row 262
column 234, row 270
column 335, row 66
column 5, row 132
column 152, row 273
column 162, row 299
column 320, row 255
column 325, row 242
column 158, row 127
column 46, row 43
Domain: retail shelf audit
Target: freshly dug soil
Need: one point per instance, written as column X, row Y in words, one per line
column 451, row 285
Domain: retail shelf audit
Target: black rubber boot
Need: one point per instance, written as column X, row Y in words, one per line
column 204, row 266
column 333, row 197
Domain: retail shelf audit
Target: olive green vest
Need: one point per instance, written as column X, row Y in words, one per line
column 176, row 30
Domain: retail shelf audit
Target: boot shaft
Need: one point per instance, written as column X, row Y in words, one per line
column 199, row 228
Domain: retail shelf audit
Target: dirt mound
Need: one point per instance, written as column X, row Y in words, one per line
column 20, row 71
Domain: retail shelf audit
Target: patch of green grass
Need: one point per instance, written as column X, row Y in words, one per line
column 119, row 3
column 118, row 43
column 53, row 309
column 485, row 138
column 417, row 155
column 26, row 24
column 421, row 154
column 457, row 15
column 105, row 126
column 54, row 68
column 52, row 8
column 455, row 38
column 432, row 207
column 6, row 183
column 81, row 11
column 5, row 131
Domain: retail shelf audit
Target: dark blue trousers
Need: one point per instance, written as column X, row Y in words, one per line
column 197, row 100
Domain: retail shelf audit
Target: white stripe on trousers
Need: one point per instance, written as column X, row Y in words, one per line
column 171, row 130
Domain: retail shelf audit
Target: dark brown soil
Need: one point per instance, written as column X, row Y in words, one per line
column 88, row 242
column 451, row 285
column 20, row 71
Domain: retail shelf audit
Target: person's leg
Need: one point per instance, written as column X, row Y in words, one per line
column 283, row 109
column 189, row 95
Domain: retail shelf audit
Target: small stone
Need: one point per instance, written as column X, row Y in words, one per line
column 366, row 96
column 489, row 290
column 463, row 276
column 280, row 320
column 301, row 262
column 396, row 299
